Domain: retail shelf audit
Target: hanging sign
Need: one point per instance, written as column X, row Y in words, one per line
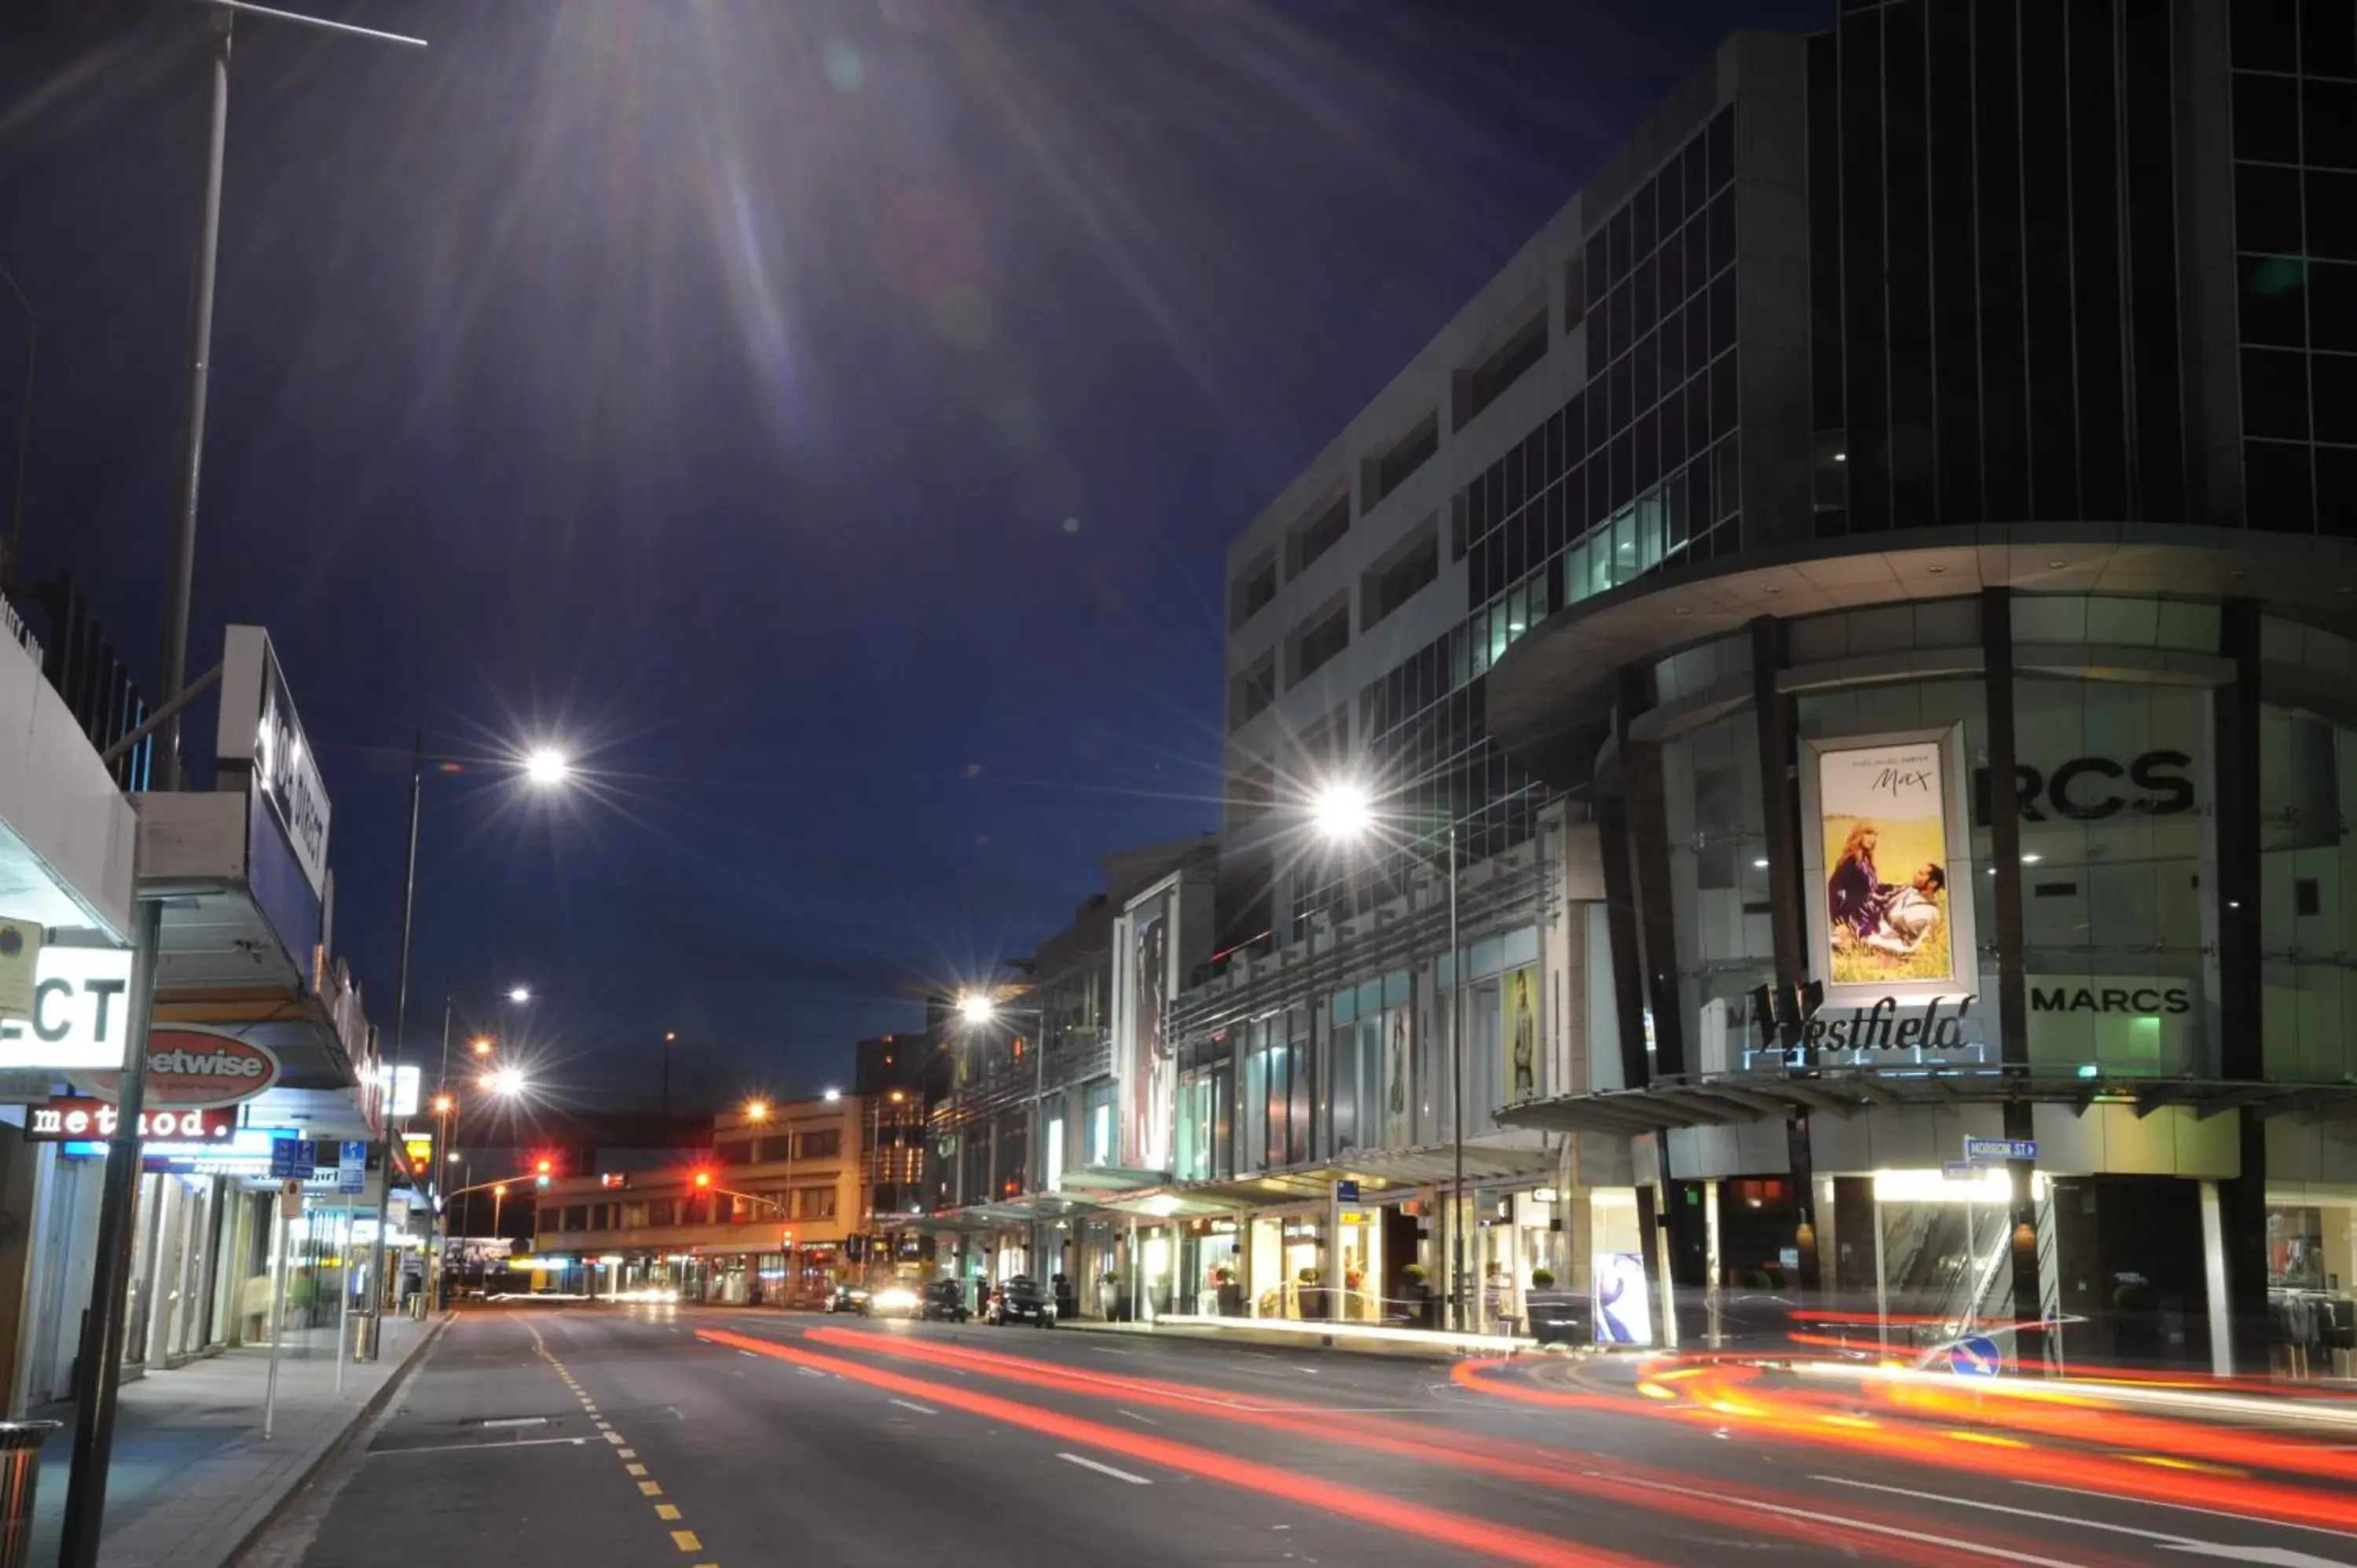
column 71, row 1118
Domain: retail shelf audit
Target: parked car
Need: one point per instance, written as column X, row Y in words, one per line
column 944, row 1299
column 1021, row 1299
column 896, row 1299
column 848, row 1298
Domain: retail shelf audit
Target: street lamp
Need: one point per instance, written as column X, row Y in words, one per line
column 1344, row 812
column 417, row 761
column 670, row 1038
column 756, row 1110
column 980, row 1009
column 546, row 767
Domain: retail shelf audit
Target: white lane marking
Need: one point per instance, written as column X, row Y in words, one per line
column 748, row 1353
column 516, row 1421
column 1112, row 1350
column 1311, row 1370
column 452, row 1447
column 2272, row 1555
column 1086, row 1464
column 612, row 1436
column 2190, row 1508
column 1132, row 1415
column 1847, row 1523
column 919, row 1409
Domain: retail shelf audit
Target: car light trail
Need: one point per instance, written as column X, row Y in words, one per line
column 1727, row 1506
column 1457, row 1531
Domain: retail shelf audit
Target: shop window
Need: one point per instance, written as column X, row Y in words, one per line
column 813, row 1203
column 823, row 1145
column 577, row 1217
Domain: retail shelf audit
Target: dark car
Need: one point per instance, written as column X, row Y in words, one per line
column 1021, row 1299
column 848, row 1298
column 944, row 1299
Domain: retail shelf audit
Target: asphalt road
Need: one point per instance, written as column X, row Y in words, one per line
column 638, row 1434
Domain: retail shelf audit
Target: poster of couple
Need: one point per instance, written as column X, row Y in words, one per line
column 1888, row 921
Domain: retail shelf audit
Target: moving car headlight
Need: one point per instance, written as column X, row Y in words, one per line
column 896, row 1299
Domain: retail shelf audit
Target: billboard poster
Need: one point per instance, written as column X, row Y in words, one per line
column 1398, row 1132
column 1520, row 1038
column 1150, row 1065
column 1888, row 852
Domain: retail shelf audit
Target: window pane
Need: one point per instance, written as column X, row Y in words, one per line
column 2265, row 33
column 2275, row 393
column 2334, row 378
column 2275, row 301
column 2275, row 484
column 2267, row 209
column 2332, row 216
column 2332, row 306
column 2266, row 119
column 2328, row 118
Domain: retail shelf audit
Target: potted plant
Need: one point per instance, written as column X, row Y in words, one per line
column 1111, row 1306
column 1228, row 1292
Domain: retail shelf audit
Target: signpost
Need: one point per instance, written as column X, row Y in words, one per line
column 1998, row 1150
column 351, row 1166
column 290, row 1204
column 293, row 1160
column 1346, row 1190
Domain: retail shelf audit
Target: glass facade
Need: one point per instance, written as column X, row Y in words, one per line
column 2295, row 139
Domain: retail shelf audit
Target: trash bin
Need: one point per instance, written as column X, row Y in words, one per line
column 366, row 1335
column 20, row 1468
column 414, row 1304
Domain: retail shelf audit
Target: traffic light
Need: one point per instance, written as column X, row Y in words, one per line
column 703, row 1179
column 543, row 1170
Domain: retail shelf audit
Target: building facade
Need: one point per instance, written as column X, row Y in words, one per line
column 2058, row 289
column 767, row 1217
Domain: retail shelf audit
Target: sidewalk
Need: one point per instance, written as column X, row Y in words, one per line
column 192, row 1478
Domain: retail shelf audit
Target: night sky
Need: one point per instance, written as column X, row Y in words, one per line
column 824, row 417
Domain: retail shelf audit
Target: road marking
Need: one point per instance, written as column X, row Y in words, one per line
column 805, row 1372
column 685, row 1541
column 1132, row 1415
column 747, row 1353
column 512, row 1443
column 649, row 1489
column 516, row 1421
column 611, row 1435
column 1087, row 1463
column 603, row 1425
column 2188, row 1507
column 666, row 1511
column 628, row 1454
column 634, row 1469
column 2271, row 1555
column 911, row 1405
column 1112, row 1350
column 1847, row 1523
column 1311, row 1370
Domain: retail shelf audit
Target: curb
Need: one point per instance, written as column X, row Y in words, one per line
column 369, row 1409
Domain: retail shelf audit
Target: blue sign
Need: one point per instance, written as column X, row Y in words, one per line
column 1346, row 1191
column 292, row 1157
column 351, row 1166
column 2001, row 1148
column 1975, row 1358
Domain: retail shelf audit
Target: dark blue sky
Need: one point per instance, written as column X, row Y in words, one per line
column 826, row 416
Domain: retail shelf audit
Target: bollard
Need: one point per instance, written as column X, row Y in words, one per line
column 20, row 1468
column 365, row 1330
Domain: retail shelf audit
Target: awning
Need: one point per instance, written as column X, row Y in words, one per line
column 1754, row 1097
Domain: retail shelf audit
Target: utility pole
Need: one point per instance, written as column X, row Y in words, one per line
column 100, row 1367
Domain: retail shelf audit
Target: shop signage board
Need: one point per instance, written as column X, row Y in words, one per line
column 73, row 1117
column 1346, row 1190
column 1999, row 1150
column 292, row 1159
column 188, row 1067
column 259, row 729
column 79, row 1012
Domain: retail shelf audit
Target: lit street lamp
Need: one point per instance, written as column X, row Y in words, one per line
column 980, row 1009
column 1344, row 812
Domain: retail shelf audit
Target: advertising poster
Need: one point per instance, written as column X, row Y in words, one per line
column 1883, row 831
column 1149, row 1078
column 1519, row 1035
column 1398, row 1132
column 1623, row 1310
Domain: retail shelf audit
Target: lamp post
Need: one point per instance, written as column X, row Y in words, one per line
column 543, row 768
column 445, row 1109
column 1344, row 814
column 670, row 1038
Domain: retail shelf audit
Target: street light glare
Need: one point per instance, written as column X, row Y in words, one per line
column 756, row 1110
column 547, row 768
column 976, row 1007
column 482, row 1043
column 519, row 993
column 1343, row 811
column 832, row 1094
column 505, row 1081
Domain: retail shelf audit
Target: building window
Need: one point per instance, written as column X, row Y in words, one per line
column 1319, row 531
column 1387, row 470
column 1477, row 388
column 1409, row 567
column 1250, row 692
column 577, row 1217
column 813, row 1203
column 1319, row 639
column 1251, row 592
column 821, row 1145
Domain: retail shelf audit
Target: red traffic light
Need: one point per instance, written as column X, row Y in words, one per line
column 545, row 1167
column 703, row 1178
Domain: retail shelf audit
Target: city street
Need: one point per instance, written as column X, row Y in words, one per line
column 656, row 1433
